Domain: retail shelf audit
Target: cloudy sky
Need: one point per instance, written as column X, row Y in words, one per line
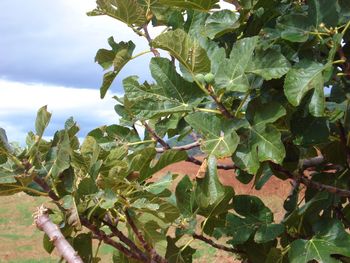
column 47, row 51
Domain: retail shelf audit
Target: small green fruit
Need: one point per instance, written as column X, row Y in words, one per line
column 209, row 78
column 200, row 77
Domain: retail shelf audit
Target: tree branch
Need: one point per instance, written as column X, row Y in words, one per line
column 191, row 159
column 149, row 39
column 101, row 235
column 44, row 223
column 218, row 246
column 222, row 108
column 309, row 183
column 165, row 145
column 85, row 222
column 181, row 148
column 155, row 257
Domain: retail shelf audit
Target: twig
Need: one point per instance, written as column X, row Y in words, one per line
column 101, row 235
column 165, row 145
column 309, row 183
column 149, row 39
column 122, row 237
column 44, row 223
column 155, row 257
column 191, row 159
column 222, row 108
column 218, row 246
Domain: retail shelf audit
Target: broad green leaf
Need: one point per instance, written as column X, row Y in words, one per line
column 188, row 51
column 62, row 159
column 266, row 139
column 155, row 236
column 82, row 244
column 231, row 74
column 202, row 5
column 246, row 158
column 331, row 239
column 269, row 232
column 221, row 22
column 160, row 185
column 217, row 140
column 252, row 215
column 117, row 57
column 304, row 76
column 184, row 193
column 211, row 196
column 309, row 130
column 167, row 158
column 323, row 11
column 269, row 64
column 42, row 120
column 294, row 27
column 150, row 101
column 259, row 113
column 129, row 12
column 318, row 101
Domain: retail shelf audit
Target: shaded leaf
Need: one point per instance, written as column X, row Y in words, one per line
column 202, row 5
column 220, row 23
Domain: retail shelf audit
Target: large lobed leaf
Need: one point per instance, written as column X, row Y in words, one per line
column 202, row 5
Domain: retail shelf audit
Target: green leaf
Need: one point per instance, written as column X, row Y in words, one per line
column 68, row 203
column 146, row 102
column 128, row 11
column 161, row 185
column 189, row 53
column 294, row 27
column 218, row 140
column 62, row 159
column 331, row 239
column 220, row 23
column 10, row 189
column 304, row 76
column 48, row 244
column 82, row 243
column 252, row 215
column 324, row 11
column 231, row 72
column 5, row 147
column 202, row 5
column 42, row 120
column 167, row 158
column 269, row 232
column 269, row 64
column 211, row 196
column 185, row 198
column 117, row 57
column 176, row 254
column 309, row 130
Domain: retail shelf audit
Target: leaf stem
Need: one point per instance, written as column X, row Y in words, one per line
column 242, row 103
column 208, row 110
column 141, row 54
column 140, row 142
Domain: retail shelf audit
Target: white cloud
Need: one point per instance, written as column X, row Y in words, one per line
column 20, row 102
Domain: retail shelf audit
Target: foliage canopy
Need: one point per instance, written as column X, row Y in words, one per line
column 266, row 84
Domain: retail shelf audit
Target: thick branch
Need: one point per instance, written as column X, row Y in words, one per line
column 44, row 223
column 155, row 257
column 216, row 245
column 85, row 222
